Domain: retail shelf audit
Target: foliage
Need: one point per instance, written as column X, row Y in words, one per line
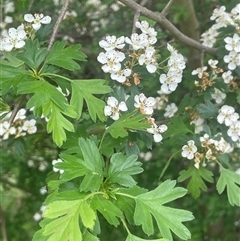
column 108, row 169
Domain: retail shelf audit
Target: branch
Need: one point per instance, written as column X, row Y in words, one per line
column 160, row 18
column 3, row 225
column 58, row 22
column 166, row 9
column 16, row 109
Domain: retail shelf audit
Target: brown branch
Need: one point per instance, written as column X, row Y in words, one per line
column 16, row 108
column 166, row 9
column 3, row 225
column 160, row 18
column 58, row 22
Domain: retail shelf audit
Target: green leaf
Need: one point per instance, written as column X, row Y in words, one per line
column 150, row 205
column 65, row 57
column 238, row 95
column 4, row 107
column 73, row 167
column 93, row 162
column 33, row 55
column 109, row 211
column 176, row 129
column 13, row 61
column 88, row 216
column 85, row 90
column 197, row 177
column 126, row 203
column 57, row 124
column 127, row 122
column 230, row 180
column 132, row 237
column 207, row 110
column 65, row 215
column 87, row 236
column 122, row 168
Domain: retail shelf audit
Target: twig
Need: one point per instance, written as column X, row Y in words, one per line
column 16, row 108
column 166, row 9
column 3, row 225
column 160, row 18
column 135, row 19
column 58, row 22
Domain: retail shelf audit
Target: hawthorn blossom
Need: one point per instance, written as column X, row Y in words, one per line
column 137, row 41
column 30, row 126
column 233, row 60
column 213, row 63
column 112, row 42
column 113, row 108
column 168, row 82
column 21, row 114
column 56, row 169
column 145, row 104
column 223, row 146
column 111, row 61
column 15, row 39
column 234, row 131
column 121, row 75
column 6, row 129
column 227, row 77
column 209, row 37
column 199, row 71
column 233, row 44
column 189, row 150
column 218, row 12
column 156, row 131
column 148, row 59
column 37, row 20
column 146, row 156
column 218, row 96
column 170, row 110
column 227, row 115
column 236, row 12
column 145, row 28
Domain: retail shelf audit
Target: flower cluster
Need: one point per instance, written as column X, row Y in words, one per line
column 37, row 162
column 222, row 19
column 20, row 126
column 14, row 38
column 55, row 169
column 39, row 215
column 229, row 117
column 176, row 64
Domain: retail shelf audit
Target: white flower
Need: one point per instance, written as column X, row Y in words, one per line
column 145, row 28
column 156, row 131
column 15, row 39
column 233, row 60
column 227, row 115
column 170, row 110
column 233, row 44
column 227, row 77
column 198, row 122
column 111, row 61
column 218, row 12
column 168, row 82
column 149, row 60
column 42, row 166
column 37, row 20
column 199, row 71
column 189, row 150
column 112, row 42
column 223, row 146
column 234, row 131
column 218, row 96
column 56, row 169
column 43, row 190
column 208, row 38
column 145, row 104
column 236, row 12
column 121, row 75
column 146, row 156
column 6, row 130
column 213, row 63
column 113, row 107
column 30, row 126
column 21, row 114
column 137, row 41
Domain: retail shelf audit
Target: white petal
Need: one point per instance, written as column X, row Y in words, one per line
column 112, row 101
column 46, row 20
column 107, row 110
column 36, row 26
column 157, row 137
column 19, row 44
column 122, row 106
column 151, row 68
column 28, row 18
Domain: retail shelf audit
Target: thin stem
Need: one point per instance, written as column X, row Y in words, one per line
column 125, row 226
column 125, row 195
column 56, row 75
column 168, row 163
column 58, row 22
column 16, row 108
column 165, row 11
